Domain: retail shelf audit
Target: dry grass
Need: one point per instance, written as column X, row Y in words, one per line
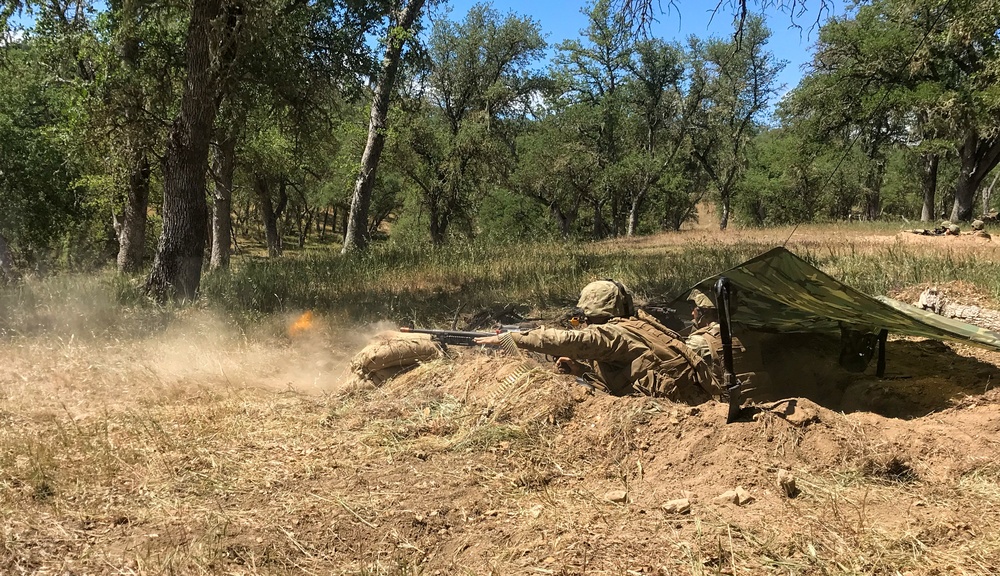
column 200, row 448
column 112, row 464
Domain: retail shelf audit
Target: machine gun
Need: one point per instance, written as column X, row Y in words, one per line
column 457, row 337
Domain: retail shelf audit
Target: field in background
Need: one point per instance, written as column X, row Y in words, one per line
column 207, row 439
column 428, row 286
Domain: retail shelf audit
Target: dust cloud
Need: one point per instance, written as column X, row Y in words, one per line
column 58, row 328
column 282, row 354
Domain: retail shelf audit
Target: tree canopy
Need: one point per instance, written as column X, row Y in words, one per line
column 159, row 137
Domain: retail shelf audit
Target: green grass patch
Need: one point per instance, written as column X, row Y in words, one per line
column 428, row 286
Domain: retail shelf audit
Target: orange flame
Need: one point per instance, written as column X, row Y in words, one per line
column 302, row 324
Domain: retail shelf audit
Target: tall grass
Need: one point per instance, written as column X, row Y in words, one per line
column 392, row 282
column 898, row 266
column 430, row 285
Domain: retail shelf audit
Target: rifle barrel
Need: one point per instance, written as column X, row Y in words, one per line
column 451, row 333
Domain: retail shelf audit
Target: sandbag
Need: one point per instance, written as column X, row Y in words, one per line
column 392, row 353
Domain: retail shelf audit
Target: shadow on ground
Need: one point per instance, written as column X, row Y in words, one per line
column 921, row 376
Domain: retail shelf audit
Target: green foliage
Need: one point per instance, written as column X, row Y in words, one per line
column 336, row 158
column 40, row 162
column 901, row 180
column 739, row 80
column 781, row 185
column 509, row 218
column 919, row 76
column 551, row 168
column 459, row 127
column 410, row 226
column 641, row 128
column 596, row 118
column 622, row 135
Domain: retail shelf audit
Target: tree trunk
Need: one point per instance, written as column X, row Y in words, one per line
column 565, row 221
column 209, row 237
column 132, row 231
column 281, row 216
column 724, row 215
column 177, row 267
column 928, row 182
column 305, row 223
column 618, row 215
column 269, row 216
column 376, row 221
column 726, row 186
column 936, row 301
column 241, row 219
column 279, row 210
column 978, row 157
column 356, row 233
column 873, row 192
column 7, row 262
column 600, row 229
column 343, row 223
column 222, row 203
column 988, row 194
column 633, row 215
column 438, row 223
column 873, row 206
column 965, row 194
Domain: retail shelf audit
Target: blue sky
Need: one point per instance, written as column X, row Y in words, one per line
column 562, row 19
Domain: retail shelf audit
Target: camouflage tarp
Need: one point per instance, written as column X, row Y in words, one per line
column 778, row 291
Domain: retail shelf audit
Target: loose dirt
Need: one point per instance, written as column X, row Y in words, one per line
column 201, row 451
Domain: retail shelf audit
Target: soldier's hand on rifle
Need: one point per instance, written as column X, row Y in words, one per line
column 488, row 340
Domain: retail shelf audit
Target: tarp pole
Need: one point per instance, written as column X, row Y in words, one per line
column 731, row 384
column 880, row 367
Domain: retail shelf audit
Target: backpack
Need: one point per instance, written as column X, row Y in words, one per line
column 678, row 372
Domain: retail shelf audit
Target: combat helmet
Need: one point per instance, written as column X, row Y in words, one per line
column 605, row 299
column 978, row 224
column 700, row 299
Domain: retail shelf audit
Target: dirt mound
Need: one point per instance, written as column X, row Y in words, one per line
column 484, row 464
column 536, row 475
column 703, row 452
column 964, row 241
column 207, row 453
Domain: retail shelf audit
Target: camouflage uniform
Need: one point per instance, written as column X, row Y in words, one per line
column 703, row 337
column 699, row 340
column 706, row 341
column 947, row 228
column 978, row 229
column 629, row 352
